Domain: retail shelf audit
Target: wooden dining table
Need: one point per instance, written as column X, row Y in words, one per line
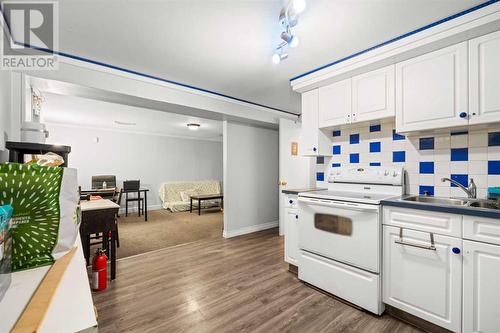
column 99, row 216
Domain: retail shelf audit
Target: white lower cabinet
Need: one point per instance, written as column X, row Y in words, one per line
column 291, row 236
column 481, row 312
column 422, row 280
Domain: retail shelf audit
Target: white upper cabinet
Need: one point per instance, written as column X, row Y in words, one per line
column 484, row 67
column 373, row 95
column 335, row 104
column 481, row 311
column 432, row 90
column 313, row 142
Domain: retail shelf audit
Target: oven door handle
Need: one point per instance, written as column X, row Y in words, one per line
column 339, row 204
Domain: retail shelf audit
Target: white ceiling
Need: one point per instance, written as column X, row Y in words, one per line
column 82, row 112
column 226, row 45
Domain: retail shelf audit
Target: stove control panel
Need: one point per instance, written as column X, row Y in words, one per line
column 367, row 175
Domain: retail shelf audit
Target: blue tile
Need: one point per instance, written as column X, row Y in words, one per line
column 375, row 128
column 459, row 154
column 320, row 176
column 336, row 150
column 396, row 136
column 320, row 160
column 426, row 143
column 398, row 156
column 375, row 147
column 354, row 139
column 336, row 133
column 493, row 167
column 335, row 165
column 354, row 158
column 429, row 189
column 462, row 179
column 375, row 164
column 427, row 167
column 494, row 139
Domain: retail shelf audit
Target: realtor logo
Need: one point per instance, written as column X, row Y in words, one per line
column 30, row 35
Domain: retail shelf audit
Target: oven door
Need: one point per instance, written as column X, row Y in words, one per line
column 344, row 231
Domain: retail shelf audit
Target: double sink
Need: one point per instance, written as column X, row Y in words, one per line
column 477, row 203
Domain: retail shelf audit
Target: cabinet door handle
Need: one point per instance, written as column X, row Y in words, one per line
column 400, row 241
column 463, row 114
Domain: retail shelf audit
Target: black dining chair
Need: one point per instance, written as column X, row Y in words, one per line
column 131, row 186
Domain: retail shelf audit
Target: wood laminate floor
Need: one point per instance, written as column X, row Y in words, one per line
column 225, row 285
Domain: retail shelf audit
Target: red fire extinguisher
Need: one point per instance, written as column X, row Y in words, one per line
column 99, row 271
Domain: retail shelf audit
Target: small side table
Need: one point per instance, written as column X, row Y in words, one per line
column 203, row 197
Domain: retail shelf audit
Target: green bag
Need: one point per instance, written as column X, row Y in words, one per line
column 45, row 220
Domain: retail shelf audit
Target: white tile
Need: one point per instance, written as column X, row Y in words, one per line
column 413, row 179
column 494, row 153
column 456, row 192
column 373, row 157
column 398, row 145
column 442, row 155
column 494, row 181
column 426, row 179
column 411, row 167
column 442, row 167
column 386, row 157
column 459, row 141
column 412, row 156
column 459, row 167
column 412, row 189
column 478, row 139
column 426, row 156
column 479, row 180
column 442, row 142
column 478, row 167
column 478, row 154
column 442, row 191
column 482, row 193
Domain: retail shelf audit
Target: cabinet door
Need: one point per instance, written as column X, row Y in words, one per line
column 291, row 237
column 335, row 104
column 484, row 71
column 309, row 132
column 431, row 90
column 373, row 95
column 481, row 287
column 424, row 282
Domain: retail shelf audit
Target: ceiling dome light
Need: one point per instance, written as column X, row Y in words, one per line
column 294, row 41
column 298, row 6
column 193, row 126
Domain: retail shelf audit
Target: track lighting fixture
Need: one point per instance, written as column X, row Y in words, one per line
column 288, row 19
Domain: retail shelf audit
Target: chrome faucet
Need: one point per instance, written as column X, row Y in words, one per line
column 471, row 190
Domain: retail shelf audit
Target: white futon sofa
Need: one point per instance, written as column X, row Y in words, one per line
column 170, row 194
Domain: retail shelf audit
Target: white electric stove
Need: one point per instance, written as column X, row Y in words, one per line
column 340, row 233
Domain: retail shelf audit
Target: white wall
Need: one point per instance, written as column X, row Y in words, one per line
column 5, row 110
column 250, row 179
column 152, row 159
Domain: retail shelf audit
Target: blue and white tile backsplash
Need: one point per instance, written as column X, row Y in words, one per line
column 426, row 158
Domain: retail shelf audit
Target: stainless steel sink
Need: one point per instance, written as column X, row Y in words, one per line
column 439, row 201
column 485, row 204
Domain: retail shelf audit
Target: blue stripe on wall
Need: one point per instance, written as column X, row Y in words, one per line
column 449, row 18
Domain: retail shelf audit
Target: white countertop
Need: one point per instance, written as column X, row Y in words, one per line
column 71, row 309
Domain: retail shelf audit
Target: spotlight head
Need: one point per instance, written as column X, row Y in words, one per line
column 294, row 42
column 276, row 58
column 298, row 6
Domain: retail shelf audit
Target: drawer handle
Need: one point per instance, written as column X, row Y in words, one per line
column 425, row 247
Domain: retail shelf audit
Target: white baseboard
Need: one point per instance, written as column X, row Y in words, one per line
column 250, row 229
column 134, row 209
